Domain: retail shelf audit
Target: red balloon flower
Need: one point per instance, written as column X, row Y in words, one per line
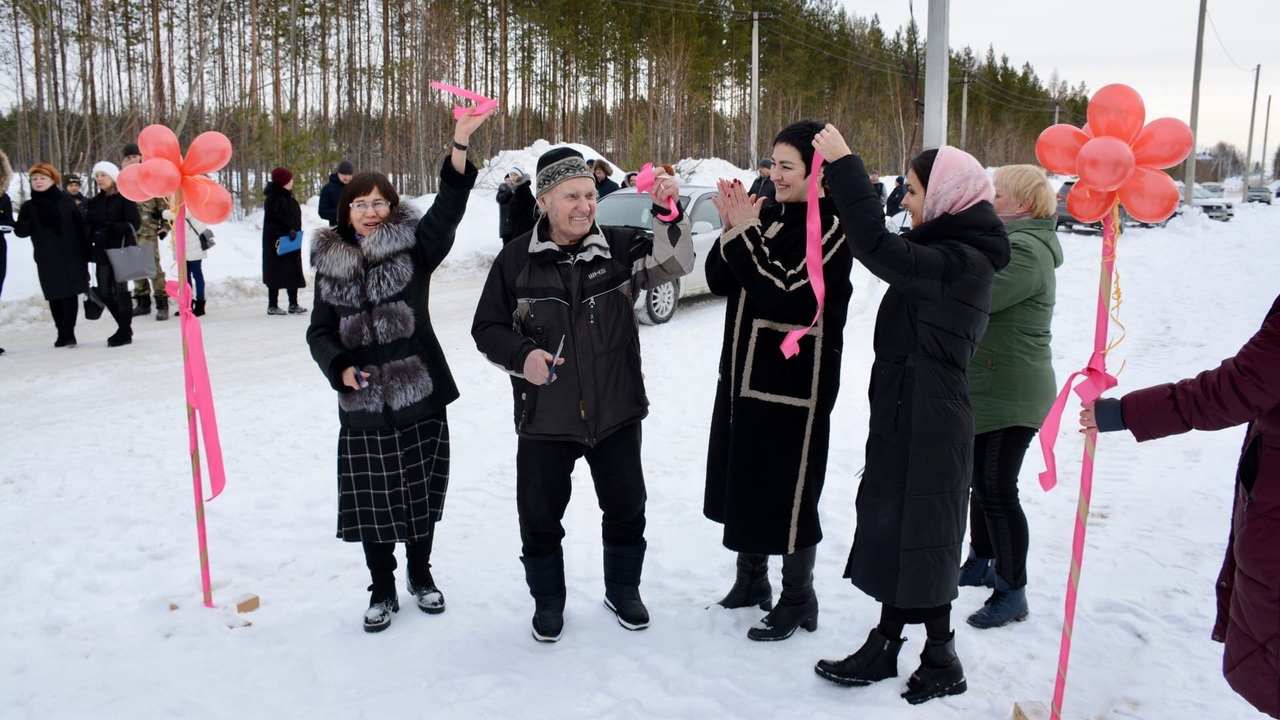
column 1117, row 158
column 164, row 171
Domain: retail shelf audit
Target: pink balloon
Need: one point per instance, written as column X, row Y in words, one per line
column 158, row 141
column 1105, row 163
column 129, row 184
column 158, row 177
column 1117, row 110
column 1089, row 205
column 1086, row 130
column 1057, row 147
column 1163, row 143
column 209, row 152
column 206, row 200
column 1150, row 196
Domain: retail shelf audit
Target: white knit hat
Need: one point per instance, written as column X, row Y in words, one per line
column 108, row 168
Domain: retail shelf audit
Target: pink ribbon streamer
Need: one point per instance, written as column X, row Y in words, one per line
column 199, row 392
column 483, row 104
column 812, row 260
column 644, row 181
column 1096, row 381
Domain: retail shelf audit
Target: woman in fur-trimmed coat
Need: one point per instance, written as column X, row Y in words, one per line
column 372, row 337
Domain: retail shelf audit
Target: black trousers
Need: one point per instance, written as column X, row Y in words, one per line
column 65, row 311
column 115, row 295
column 273, row 296
column 997, row 525
column 380, row 558
column 543, row 488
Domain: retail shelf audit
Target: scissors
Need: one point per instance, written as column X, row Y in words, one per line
column 554, row 359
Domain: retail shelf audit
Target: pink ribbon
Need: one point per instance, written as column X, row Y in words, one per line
column 1096, row 381
column 644, row 181
column 483, row 104
column 812, row 260
column 195, row 371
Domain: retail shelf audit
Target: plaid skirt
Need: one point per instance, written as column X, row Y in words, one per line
column 392, row 483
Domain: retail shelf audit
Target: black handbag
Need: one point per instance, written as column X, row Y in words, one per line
column 93, row 304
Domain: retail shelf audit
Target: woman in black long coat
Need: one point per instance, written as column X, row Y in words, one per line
column 770, row 427
column 282, row 219
column 372, row 337
column 60, row 242
column 113, row 222
column 912, row 501
column 6, row 218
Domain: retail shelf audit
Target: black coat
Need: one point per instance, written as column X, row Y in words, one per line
column 329, row 197
column 516, row 214
column 371, row 311
column 6, row 219
column 762, row 186
column 59, row 240
column 113, row 223
column 282, row 216
column 604, row 187
column 771, row 422
column 912, row 503
column 894, row 204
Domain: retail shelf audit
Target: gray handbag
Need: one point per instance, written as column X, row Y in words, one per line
column 132, row 262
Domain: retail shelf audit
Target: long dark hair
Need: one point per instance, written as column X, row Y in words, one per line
column 922, row 166
column 360, row 185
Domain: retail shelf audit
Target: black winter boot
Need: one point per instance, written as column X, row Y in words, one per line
column 622, row 566
column 797, row 605
column 429, row 598
column 876, row 660
column 939, row 674
column 141, row 305
column 381, row 560
column 197, row 308
column 751, row 587
column 545, row 576
column 162, row 308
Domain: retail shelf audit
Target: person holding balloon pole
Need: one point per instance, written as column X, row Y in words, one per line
column 771, row 421
column 912, row 502
column 372, row 337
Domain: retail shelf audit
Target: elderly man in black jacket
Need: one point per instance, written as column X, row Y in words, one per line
column 557, row 313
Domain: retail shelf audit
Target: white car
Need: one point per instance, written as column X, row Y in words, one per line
column 1215, row 208
column 630, row 209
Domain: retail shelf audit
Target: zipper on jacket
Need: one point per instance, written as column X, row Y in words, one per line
column 591, row 310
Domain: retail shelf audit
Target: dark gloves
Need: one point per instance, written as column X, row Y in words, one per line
column 1109, row 413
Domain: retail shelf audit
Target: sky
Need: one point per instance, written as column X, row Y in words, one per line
column 1147, row 44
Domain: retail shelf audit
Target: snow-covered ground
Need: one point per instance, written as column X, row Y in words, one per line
column 97, row 523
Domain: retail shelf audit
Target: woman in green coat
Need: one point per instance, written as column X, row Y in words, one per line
column 1011, row 385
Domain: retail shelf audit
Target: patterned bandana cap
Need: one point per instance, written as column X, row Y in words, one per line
column 558, row 165
column 956, row 183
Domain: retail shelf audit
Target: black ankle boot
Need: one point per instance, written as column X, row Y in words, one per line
column 939, row 674
column 423, row 588
column 797, row 605
column 751, row 586
column 545, row 576
column 622, row 566
column 876, row 660
column 383, row 603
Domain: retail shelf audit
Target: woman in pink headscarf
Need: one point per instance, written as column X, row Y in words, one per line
column 914, row 493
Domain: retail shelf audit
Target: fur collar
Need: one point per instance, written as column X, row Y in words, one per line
column 348, row 273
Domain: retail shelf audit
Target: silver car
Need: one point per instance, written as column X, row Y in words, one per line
column 630, row 209
column 1259, row 193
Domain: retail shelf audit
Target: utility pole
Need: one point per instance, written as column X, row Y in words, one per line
column 937, row 65
column 755, row 87
column 1248, row 149
column 1265, row 127
column 1057, row 106
column 964, row 108
column 1189, row 180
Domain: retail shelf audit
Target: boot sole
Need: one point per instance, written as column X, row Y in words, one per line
column 987, row 626
column 544, row 638
column 630, row 626
column 810, row 624
column 842, row 680
column 956, row 689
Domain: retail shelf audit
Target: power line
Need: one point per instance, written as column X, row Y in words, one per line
column 1224, row 46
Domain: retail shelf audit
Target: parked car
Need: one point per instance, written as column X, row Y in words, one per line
column 1214, row 189
column 658, row 305
column 1259, row 193
column 1215, row 208
column 1065, row 219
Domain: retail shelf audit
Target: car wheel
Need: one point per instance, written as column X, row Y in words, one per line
column 660, row 304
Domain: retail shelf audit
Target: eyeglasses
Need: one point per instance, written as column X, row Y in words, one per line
column 376, row 205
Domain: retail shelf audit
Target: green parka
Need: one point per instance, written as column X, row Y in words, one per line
column 1011, row 381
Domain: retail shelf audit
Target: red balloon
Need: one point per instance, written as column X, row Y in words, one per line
column 158, row 177
column 1087, row 130
column 1163, row 143
column 158, row 141
column 1150, row 196
column 206, row 200
column 209, row 152
column 1117, row 110
column 1057, row 147
column 1105, row 163
column 129, row 184
column 1087, row 204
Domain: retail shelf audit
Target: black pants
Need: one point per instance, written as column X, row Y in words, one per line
column 115, row 295
column 65, row 311
column 936, row 620
column 997, row 525
column 380, row 558
column 273, row 296
column 543, row 488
